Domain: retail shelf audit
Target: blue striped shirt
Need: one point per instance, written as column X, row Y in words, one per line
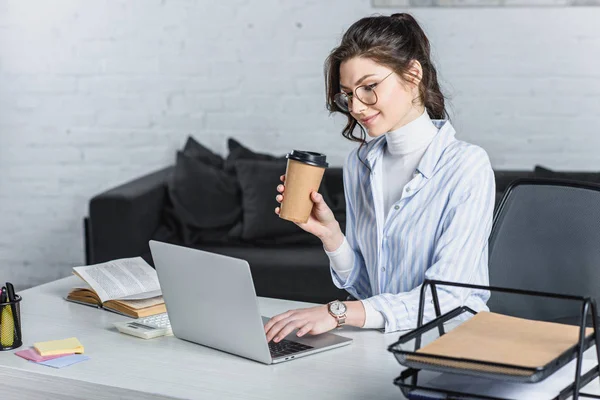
column 438, row 229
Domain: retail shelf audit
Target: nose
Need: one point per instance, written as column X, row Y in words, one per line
column 356, row 106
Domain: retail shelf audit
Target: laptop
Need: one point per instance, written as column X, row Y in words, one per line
column 211, row 301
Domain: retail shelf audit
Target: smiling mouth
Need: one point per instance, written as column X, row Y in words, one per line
column 369, row 119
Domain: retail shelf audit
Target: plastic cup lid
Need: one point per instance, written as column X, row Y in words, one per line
column 308, row 157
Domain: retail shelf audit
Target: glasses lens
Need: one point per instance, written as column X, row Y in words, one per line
column 366, row 95
column 341, row 100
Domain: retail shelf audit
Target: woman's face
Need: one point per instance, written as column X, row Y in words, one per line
column 395, row 106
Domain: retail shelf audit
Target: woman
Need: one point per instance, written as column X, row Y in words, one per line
column 419, row 201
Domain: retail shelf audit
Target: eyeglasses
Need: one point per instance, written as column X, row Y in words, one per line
column 365, row 93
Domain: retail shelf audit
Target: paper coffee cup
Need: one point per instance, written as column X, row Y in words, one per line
column 303, row 176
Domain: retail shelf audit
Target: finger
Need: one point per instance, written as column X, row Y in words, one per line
column 305, row 329
column 277, row 210
column 276, row 319
column 276, row 329
column 279, row 198
column 280, row 188
column 319, row 202
column 282, row 178
column 289, row 328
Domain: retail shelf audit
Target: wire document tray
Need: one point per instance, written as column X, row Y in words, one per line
column 408, row 350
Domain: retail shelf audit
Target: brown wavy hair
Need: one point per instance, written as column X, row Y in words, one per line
column 393, row 41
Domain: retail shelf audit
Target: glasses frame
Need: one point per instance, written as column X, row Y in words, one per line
column 353, row 94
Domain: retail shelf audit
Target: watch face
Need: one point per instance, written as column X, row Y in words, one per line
column 338, row 308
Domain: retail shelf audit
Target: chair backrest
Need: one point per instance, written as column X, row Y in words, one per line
column 545, row 237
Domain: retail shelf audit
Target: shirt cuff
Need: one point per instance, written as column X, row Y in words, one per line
column 373, row 318
column 342, row 260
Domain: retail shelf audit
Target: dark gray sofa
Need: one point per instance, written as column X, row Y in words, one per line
column 122, row 220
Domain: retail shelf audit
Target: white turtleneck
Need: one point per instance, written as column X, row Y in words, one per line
column 404, row 149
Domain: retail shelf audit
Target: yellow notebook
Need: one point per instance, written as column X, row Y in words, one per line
column 57, row 347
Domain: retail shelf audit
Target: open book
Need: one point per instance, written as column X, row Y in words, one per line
column 127, row 286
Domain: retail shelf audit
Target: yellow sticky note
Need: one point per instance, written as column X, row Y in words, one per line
column 56, row 347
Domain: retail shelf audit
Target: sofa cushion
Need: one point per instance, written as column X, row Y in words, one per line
column 334, row 184
column 195, row 150
column 258, row 180
column 237, row 151
column 203, row 195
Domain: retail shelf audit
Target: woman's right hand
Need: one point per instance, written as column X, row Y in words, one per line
column 321, row 222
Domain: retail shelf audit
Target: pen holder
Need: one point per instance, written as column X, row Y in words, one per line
column 10, row 324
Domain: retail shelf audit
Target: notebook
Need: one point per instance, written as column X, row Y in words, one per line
column 501, row 339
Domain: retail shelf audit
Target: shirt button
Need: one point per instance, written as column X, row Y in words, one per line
column 383, row 269
column 407, row 189
column 396, row 207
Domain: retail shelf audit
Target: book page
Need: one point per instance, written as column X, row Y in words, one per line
column 144, row 303
column 132, row 278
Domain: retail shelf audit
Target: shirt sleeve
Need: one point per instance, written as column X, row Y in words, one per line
column 356, row 281
column 460, row 254
column 373, row 318
column 341, row 260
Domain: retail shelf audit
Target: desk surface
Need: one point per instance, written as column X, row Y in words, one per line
column 168, row 368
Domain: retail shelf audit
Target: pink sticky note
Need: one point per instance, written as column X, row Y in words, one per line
column 32, row 355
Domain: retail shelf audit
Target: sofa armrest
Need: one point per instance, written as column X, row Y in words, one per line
column 122, row 220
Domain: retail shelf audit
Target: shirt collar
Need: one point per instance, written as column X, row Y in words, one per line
column 436, row 148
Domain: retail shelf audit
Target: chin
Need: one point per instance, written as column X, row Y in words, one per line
column 375, row 132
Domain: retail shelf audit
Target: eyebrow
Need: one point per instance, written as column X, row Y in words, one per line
column 358, row 81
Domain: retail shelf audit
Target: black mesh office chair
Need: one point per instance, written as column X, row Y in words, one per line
column 546, row 237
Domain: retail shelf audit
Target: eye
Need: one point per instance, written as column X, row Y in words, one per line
column 371, row 87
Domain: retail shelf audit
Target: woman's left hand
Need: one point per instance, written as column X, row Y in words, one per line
column 313, row 320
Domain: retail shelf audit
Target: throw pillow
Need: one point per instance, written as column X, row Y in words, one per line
column 239, row 152
column 588, row 177
column 203, row 195
column 258, row 180
column 195, row 150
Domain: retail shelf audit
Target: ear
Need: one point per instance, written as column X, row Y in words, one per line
column 415, row 73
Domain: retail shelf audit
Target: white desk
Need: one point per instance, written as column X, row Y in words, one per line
column 125, row 367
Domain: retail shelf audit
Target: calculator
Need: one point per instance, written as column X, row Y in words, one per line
column 147, row 327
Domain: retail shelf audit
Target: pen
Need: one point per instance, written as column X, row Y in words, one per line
column 10, row 291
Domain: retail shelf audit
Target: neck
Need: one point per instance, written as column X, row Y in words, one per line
column 412, row 136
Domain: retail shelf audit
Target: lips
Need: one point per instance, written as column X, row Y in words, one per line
column 369, row 120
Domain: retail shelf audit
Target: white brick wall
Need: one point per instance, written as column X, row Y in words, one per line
column 94, row 93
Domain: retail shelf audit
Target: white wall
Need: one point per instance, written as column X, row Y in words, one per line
column 94, row 93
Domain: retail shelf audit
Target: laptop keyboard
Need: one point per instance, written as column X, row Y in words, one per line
column 286, row 347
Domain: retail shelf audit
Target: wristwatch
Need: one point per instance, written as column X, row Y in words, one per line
column 337, row 309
